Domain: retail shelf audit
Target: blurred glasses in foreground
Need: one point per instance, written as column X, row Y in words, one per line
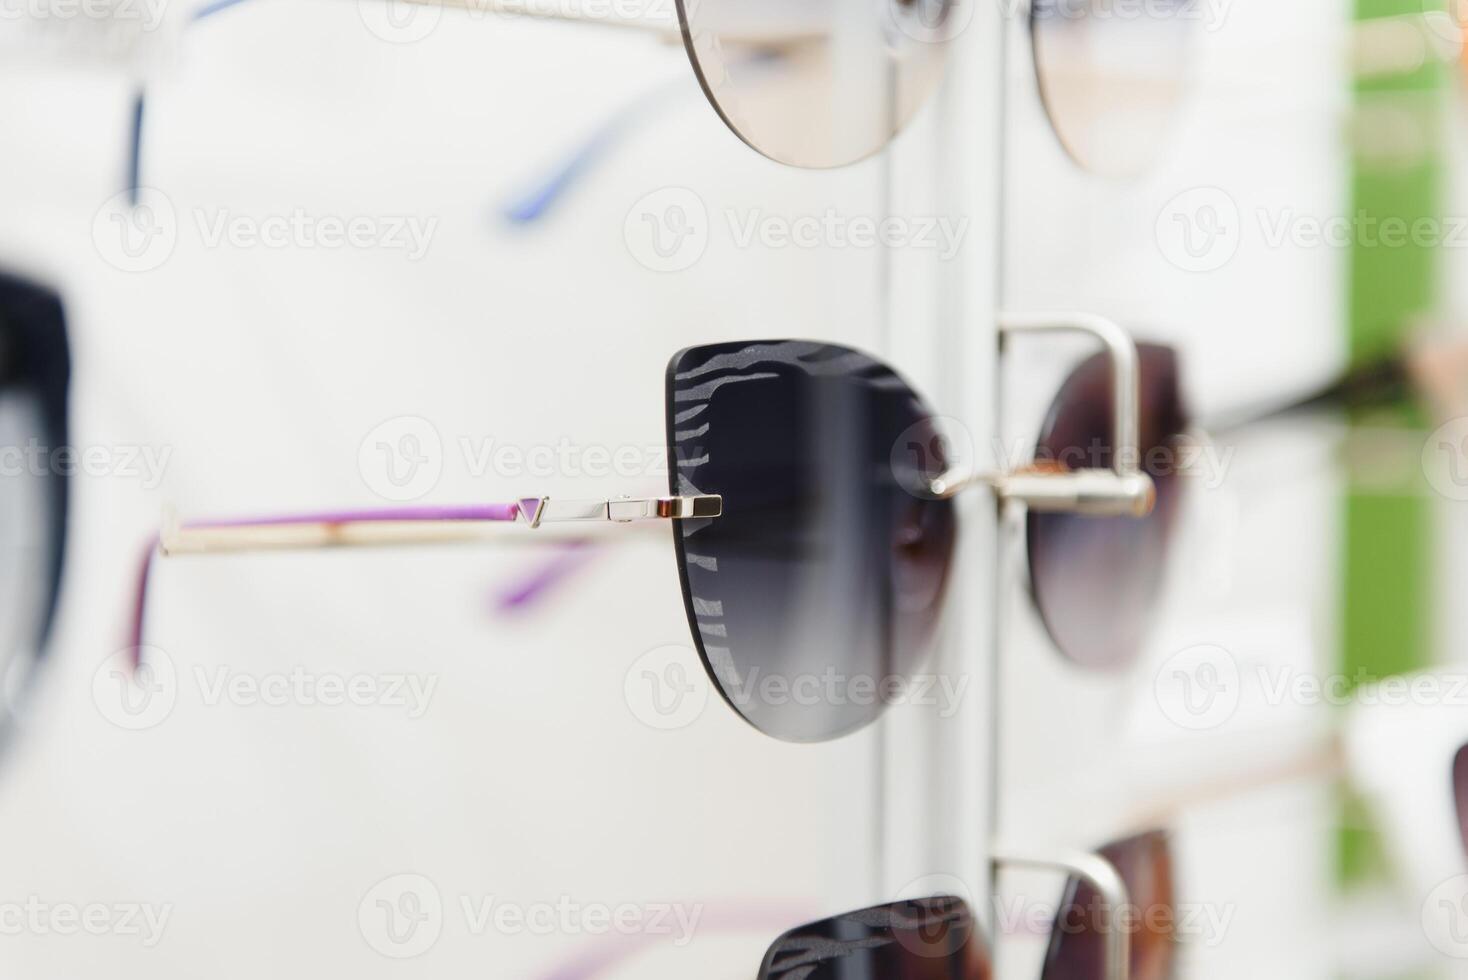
column 812, row 503
column 35, row 369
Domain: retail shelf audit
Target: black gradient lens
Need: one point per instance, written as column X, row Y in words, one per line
column 1078, row 938
column 34, row 375
column 928, row 939
column 1095, row 580
column 815, row 593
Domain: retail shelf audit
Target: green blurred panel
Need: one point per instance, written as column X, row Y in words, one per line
column 1386, row 590
column 1398, row 177
column 1398, row 174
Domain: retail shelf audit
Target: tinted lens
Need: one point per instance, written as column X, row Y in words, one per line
column 34, row 370
column 817, row 84
column 1112, row 74
column 930, row 939
column 816, row 591
column 1095, row 579
column 1460, row 792
column 1078, row 940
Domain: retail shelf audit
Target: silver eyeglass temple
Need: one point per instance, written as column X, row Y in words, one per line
column 1122, row 491
column 1101, row 875
column 367, row 529
column 536, row 511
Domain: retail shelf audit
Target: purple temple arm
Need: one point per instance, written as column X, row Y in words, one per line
column 140, row 602
column 474, row 513
column 526, row 590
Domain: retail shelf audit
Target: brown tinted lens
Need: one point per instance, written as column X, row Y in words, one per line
column 822, row 83
column 927, row 939
column 1078, row 940
column 1095, row 579
column 1460, row 792
column 1112, row 74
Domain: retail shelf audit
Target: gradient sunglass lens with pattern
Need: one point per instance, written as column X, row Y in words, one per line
column 824, row 575
column 924, row 939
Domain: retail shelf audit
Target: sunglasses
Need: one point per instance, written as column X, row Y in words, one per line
column 1095, row 933
column 818, row 86
column 814, row 518
column 35, row 370
column 1112, row 84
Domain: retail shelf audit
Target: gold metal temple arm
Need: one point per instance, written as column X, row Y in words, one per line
column 426, row 525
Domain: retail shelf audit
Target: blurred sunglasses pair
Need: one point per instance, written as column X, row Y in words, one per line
column 812, row 503
column 1116, row 920
column 829, row 85
column 814, row 86
column 35, row 372
column 1112, row 84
